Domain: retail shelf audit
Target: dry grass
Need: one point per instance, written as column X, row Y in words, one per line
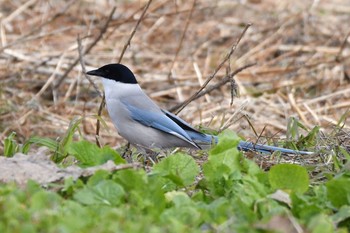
column 301, row 50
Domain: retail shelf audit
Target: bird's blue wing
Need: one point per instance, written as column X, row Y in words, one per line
column 159, row 121
column 196, row 136
column 183, row 124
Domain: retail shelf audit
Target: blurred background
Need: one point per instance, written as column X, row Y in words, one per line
column 298, row 55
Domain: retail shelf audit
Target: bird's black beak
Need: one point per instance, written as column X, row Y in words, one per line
column 95, row 73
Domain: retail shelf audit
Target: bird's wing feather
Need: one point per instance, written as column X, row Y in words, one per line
column 183, row 124
column 194, row 134
column 159, row 121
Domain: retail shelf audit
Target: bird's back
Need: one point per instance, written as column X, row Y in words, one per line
column 125, row 103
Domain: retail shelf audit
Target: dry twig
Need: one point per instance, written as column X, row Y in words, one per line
column 233, row 48
column 75, row 62
column 181, row 39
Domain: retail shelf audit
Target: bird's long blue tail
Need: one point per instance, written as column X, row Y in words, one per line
column 205, row 140
column 249, row 146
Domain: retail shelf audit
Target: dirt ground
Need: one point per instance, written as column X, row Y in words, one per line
column 294, row 61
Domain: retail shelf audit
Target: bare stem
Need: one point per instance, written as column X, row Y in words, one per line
column 233, row 48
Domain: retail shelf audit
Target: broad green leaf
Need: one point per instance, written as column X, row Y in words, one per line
column 85, row 152
column 342, row 214
column 132, row 179
column 185, row 215
column 108, row 153
column 178, row 198
column 75, row 217
column 338, row 191
column 306, row 207
column 223, row 165
column 289, row 177
column 217, row 210
column 227, row 140
column 106, row 192
column 98, row 176
column 250, row 167
column 45, row 200
column 224, row 158
column 144, row 192
column 70, row 186
column 321, row 223
column 182, row 211
column 178, row 170
column 89, row 154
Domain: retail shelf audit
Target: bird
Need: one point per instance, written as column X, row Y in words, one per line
column 144, row 124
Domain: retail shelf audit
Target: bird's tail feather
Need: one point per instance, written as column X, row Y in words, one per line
column 206, row 140
column 246, row 146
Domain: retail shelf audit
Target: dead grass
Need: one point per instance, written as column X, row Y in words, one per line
column 301, row 49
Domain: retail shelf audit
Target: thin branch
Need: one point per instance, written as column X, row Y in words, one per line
column 134, row 31
column 342, row 47
column 233, row 48
column 82, row 63
column 98, row 38
column 209, row 89
column 37, row 29
column 131, row 18
column 98, row 124
column 182, row 39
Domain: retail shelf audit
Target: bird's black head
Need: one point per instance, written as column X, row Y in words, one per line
column 117, row 72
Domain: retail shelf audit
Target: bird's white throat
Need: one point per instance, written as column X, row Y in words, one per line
column 115, row 89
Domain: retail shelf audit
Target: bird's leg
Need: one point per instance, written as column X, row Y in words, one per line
column 127, row 154
column 148, row 155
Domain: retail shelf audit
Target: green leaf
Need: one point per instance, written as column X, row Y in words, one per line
column 183, row 209
column 321, row 223
column 178, row 170
column 228, row 140
column 98, row 176
column 108, row 153
column 10, row 145
column 292, row 129
column 89, row 154
column 345, row 153
column 188, row 215
column 85, row 152
column 43, row 200
column 338, row 191
column 289, row 177
column 306, row 206
column 178, row 198
column 52, row 145
column 68, row 137
column 309, row 139
column 342, row 214
column 225, row 157
column 106, row 192
column 144, row 192
column 224, row 165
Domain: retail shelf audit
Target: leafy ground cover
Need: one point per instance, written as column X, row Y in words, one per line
column 227, row 193
column 293, row 77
